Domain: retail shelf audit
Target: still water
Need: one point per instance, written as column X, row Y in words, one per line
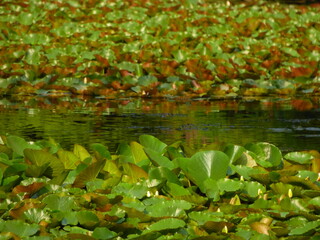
column 290, row 124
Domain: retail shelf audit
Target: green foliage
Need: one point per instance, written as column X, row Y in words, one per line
column 136, row 49
column 243, row 192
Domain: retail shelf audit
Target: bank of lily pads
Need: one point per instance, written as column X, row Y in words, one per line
column 151, row 190
column 159, row 48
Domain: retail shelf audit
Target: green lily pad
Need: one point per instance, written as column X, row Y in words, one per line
column 103, row 233
column 299, row 157
column 20, row 228
column 60, row 203
column 165, row 224
column 307, row 227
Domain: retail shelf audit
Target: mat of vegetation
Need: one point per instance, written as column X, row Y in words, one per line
column 158, row 48
column 151, row 190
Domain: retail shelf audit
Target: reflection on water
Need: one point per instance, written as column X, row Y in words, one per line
column 289, row 124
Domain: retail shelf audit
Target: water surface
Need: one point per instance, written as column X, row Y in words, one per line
column 291, row 124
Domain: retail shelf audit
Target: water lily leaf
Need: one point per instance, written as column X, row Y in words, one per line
column 87, row 219
column 266, row 152
column 133, row 190
column 246, row 172
column 163, row 174
column 315, row 201
column 147, row 81
column 18, row 144
column 169, row 208
column 180, row 55
column 308, row 175
column 261, row 227
column 234, row 152
column 291, row 51
column 81, row 152
column 36, row 38
column 204, row 165
column 283, row 188
column 69, row 159
column 27, row 18
column 41, row 158
column 305, row 228
column 89, row 173
column 165, row 224
column 133, row 172
column 20, row 208
column 229, row 185
column 138, row 153
column 153, row 143
column 60, row 203
column 297, row 181
column 254, row 189
column 203, row 217
column 21, row 228
column 36, row 215
column 101, row 150
column 103, row 233
column 176, row 190
column 33, row 56
column 299, row 157
column 158, row 159
column 30, row 189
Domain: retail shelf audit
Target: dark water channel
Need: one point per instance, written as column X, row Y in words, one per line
column 290, row 124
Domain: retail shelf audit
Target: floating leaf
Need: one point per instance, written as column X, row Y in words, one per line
column 103, row 233
column 165, row 224
column 254, row 189
column 87, row 219
column 172, row 208
column 20, row 228
column 299, row 157
column 60, row 203
column 307, row 227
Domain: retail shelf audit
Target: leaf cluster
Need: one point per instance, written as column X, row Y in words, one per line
column 151, row 190
column 161, row 48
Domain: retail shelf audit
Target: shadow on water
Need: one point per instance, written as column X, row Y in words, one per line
column 291, row 124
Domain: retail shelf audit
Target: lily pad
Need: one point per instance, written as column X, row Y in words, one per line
column 299, row 157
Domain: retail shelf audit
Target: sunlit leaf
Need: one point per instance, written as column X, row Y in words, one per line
column 21, row 228
column 60, row 203
column 206, row 164
column 168, row 223
column 18, row 144
column 266, row 152
column 299, row 157
column 310, row 226
column 81, row 152
column 153, row 143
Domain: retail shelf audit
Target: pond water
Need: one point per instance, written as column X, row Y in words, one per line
column 290, row 124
